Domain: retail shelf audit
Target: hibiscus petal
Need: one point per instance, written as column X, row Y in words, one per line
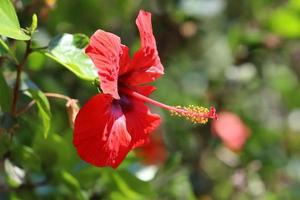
column 100, row 134
column 144, row 25
column 105, row 49
column 124, row 60
column 145, row 65
column 140, row 122
column 145, row 90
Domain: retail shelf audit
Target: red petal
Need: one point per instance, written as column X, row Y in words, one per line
column 145, row 66
column 144, row 25
column 145, row 90
column 100, row 134
column 105, row 50
column 124, row 60
column 140, row 122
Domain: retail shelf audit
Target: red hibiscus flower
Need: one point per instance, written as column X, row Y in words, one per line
column 116, row 121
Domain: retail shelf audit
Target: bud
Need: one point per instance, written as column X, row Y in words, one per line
column 72, row 110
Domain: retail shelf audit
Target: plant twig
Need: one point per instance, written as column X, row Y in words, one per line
column 56, row 95
column 18, row 79
column 48, row 94
column 25, row 108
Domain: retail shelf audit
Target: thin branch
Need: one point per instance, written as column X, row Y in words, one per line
column 59, row 96
column 24, row 109
column 48, row 94
column 18, row 79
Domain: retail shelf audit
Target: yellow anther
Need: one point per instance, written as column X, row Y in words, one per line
column 195, row 114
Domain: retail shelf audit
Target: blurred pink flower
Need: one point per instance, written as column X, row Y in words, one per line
column 231, row 129
column 154, row 152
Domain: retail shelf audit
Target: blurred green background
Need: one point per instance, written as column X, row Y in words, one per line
column 240, row 56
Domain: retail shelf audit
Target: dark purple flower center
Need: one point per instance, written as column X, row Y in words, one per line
column 124, row 102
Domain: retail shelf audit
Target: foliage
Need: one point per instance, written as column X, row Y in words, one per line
column 243, row 58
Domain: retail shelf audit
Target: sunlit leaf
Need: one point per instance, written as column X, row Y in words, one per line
column 68, row 50
column 43, row 109
column 9, row 23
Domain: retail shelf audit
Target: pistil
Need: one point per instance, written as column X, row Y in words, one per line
column 195, row 114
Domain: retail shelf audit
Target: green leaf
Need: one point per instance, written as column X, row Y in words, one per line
column 124, row 187
column 72, row 183
column 43, row 109
column 70, row 180
column 294, row 4
column 4, row 143
column 7, row 122
column 5, row 95
column 27, row 158
column 4, row 49
column 129, row 186
column 68, row 50
column 36, row 61
column 286, row 23
column 9, row 23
